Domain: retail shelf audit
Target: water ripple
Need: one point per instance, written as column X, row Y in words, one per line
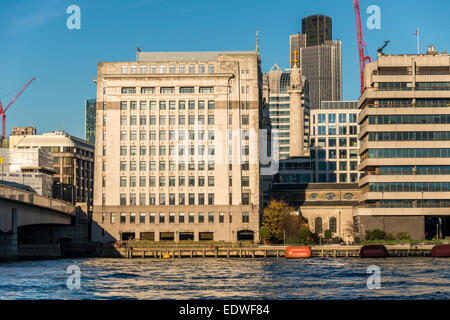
column 317, row 278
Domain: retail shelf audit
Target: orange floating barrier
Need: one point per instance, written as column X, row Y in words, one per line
column 297, row 252
column 441, row 251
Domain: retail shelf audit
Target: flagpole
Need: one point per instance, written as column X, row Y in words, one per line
column 418, row 52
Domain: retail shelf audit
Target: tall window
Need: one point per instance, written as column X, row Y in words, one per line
column 332, row 224
column 318, row 225
column 211, row 199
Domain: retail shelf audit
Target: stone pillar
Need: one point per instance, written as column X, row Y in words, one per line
column 297, row 124
column 297, row 120
column 8, row 240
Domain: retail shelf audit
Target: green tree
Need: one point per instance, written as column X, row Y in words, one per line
column 328, row 235
column 279, row 220
column 303, row 234
column 264, row 233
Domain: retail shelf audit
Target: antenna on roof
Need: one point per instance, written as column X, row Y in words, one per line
column 257, row 41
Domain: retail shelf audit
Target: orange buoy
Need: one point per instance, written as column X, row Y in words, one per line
column 297, row 252
column 441, row 251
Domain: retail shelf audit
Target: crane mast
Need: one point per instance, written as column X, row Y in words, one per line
column 3, row 111
column 360, row 40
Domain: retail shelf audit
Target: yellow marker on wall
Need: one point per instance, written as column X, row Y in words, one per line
column 1, row 160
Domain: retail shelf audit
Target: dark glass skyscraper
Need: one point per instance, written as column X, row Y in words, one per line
column 318, row 29
column 319, row 58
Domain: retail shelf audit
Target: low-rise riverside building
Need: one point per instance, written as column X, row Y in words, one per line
column 326, row 206
column 177, row 147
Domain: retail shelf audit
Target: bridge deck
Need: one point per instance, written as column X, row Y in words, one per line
column 26, row 197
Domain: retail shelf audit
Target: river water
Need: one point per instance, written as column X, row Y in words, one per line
column 198, row 278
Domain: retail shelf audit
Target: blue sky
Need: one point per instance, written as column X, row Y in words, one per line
column 34, row 41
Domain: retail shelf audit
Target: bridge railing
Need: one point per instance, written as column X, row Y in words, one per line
column 24, row 196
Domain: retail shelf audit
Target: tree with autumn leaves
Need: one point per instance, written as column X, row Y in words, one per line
column 278, row 221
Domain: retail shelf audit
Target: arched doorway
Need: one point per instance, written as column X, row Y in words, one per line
column 245, row 235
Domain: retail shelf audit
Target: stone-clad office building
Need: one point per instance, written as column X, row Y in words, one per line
column 177, row 147
column 405, row 145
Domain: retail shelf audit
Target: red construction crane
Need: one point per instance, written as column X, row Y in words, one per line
column 3, row 111
column 361, row 44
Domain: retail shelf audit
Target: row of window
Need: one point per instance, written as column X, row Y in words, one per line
column 342, row 117
column 419, row 203
column 172, row 217
column 410, row 136
column 174, row 165
column 172, row 120
column 146, row 90
column 321, row 142
column 182, row 151
column 332, row 178
column 245, row 199
column 245, row 181
column 410, row 119
column 400, row 86
column 406, row 153
column 191, row 68
column 332, row 225
column 333, row 154
column 168, row 105
column 333, row 130
column 173, row 135
column 322, row 166
column 407, row 103
column 414, row 170
column 407, row 187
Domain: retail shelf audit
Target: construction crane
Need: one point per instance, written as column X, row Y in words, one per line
column 361, row 44
column 380, row 50
column 3, row 111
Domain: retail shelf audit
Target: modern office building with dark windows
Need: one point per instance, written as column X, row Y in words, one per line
column 177, row 147
column 320, row 59
column 334, row 142
column 405, row 146
column 90, row 120
column 318, row 29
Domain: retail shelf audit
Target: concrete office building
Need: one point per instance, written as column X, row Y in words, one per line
column 89, row 120
column 334, row 142
column 73, row 163
column 320, row 59
column 30, row 169
column 405, row 145
column 177, row 147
